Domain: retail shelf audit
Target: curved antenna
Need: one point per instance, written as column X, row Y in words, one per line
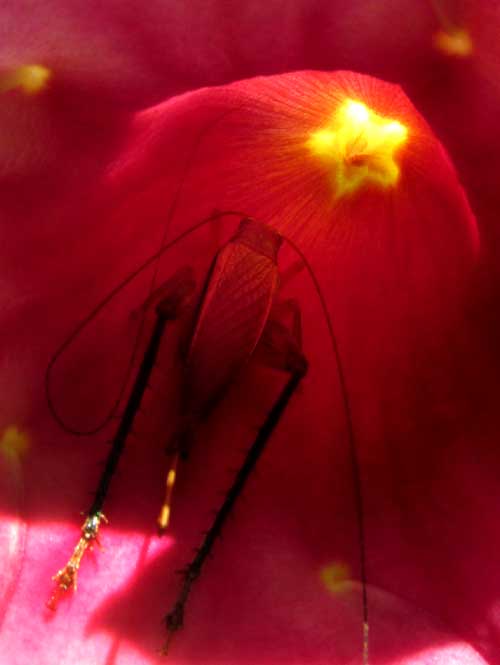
column 353, row 454
column 130, row 364
column 355, row 466
column 172, row 209
column 98, row 308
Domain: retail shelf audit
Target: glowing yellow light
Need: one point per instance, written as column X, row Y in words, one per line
column 456, row 42
column 336, row 576
column 359, row 147
column 165, row 510
column 164, row 517
column 357, row 112
column 30, row 78
column 171, row 478
column 14, row 443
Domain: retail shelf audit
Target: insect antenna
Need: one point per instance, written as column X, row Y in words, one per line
column 204, row 132
column 98, row 308
column 353, row 454
column 175, row 618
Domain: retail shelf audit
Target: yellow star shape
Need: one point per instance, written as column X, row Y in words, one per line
column 359, row 147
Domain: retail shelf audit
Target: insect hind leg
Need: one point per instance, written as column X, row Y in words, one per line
column 279, row 348
column 174, row 296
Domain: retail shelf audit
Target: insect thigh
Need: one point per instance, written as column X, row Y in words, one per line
column 175, row 294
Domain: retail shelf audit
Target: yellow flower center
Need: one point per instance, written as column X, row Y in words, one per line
column 358, row 146
column 455, row 42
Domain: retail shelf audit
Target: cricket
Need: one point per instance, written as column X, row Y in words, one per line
column 237, row 317
column 262, row 328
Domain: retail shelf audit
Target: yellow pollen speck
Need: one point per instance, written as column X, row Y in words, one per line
column 456, row 42
column 336, row 576
column 171, row 478
column 14, row 443
column 358, row 146
column 164, row 517
column 30, row 78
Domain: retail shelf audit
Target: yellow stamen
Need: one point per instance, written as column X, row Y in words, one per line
column 336, row 576
column 164, row 516
column 14, row 443
column 455, row 42
column 358, row 147
column 30, row 78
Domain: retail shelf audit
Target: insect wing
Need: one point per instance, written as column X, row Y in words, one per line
column 232, row 314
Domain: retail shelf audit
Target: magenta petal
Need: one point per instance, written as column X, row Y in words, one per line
column 396, row 309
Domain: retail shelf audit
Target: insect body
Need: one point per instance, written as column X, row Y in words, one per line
column 233, row 312
column 228, row 324
column 237, row 317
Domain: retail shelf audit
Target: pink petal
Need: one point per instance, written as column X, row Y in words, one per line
column 395, row 278
column 422, row 379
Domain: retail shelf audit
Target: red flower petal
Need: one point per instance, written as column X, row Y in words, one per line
column 394, row 266
column 422, row 382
